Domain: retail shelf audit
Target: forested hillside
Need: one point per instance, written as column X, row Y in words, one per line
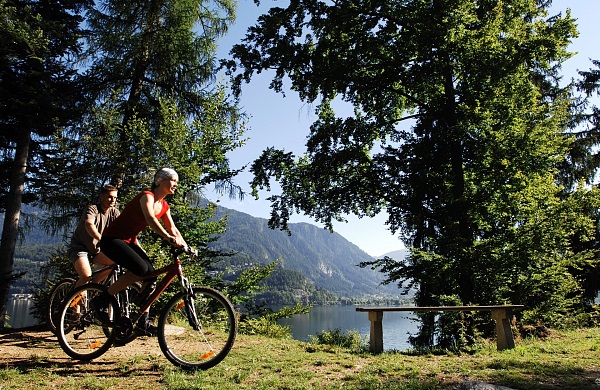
column 31, row 252
column 328, row 260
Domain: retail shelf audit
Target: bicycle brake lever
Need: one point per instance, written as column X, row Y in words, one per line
column 190, row 251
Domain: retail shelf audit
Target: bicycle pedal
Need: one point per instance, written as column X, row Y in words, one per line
column 126, row 332
column 145, row 327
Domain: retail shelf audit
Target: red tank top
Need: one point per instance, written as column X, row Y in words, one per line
column 131, row 221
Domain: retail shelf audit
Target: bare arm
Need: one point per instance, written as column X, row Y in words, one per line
column 147, row 203
column 90, row 228
column 169, row 232
column 167, row 220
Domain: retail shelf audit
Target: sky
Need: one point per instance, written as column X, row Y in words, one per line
column 283, row 122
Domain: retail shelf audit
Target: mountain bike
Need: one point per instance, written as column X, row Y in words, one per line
column 196, row 328
column 64, row 286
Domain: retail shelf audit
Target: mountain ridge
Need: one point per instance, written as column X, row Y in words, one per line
column 327, row 259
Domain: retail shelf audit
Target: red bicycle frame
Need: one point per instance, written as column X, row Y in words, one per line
column 171, row 270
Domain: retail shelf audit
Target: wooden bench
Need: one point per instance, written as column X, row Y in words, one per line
column 501, row 313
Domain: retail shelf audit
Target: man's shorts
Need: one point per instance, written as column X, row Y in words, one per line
column 76, row 253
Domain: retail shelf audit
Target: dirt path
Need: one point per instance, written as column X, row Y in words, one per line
column 30, row 350
column 32, row 344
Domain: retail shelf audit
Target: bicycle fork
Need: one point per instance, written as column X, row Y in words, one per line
column 190, row 307
column 192, row 317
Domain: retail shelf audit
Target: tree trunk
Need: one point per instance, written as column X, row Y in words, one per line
column 11, row 219
column 462, row 237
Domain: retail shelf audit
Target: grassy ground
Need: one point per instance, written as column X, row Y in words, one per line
column 565, row 360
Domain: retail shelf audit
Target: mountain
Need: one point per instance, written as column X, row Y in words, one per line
column 328, row 260
column 396, row 255
column 35, row 233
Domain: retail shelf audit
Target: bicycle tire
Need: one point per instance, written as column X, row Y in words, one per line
column 199, row 349
column 55, row 299
column 80, row 334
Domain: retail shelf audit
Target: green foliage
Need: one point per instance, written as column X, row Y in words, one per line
column 582, row 161
column 29, row 274
column 151, row 101
column 38, row 37
column 264, row 327
column 39, row 90
column 248, row 282
column 351, row 339
column 286, row 287
column 145, row 52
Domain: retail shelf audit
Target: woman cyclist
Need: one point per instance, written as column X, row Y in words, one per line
column 119, row 241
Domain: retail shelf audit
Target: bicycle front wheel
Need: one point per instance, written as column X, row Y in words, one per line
column 55, row 299
column 80, row 334
column 200, row 340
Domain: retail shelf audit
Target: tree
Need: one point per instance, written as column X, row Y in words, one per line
column 151, row 101
column 457, row 133
column 141, row 58
column 38, row 91
column 583, row 160
column 580, row 167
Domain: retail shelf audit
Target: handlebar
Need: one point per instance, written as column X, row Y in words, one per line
column 191, row 251
column 176, row 250
column 185, row 249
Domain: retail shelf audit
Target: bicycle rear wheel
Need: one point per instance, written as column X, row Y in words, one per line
column 188, row 345
column 55, row 299
column 80, row 334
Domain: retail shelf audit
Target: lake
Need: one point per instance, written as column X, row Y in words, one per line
column 396, row 325
column 18, row 310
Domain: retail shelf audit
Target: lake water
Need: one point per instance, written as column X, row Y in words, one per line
column 396, row 325
column 18, row 310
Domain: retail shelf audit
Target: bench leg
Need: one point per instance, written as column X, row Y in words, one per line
column 504, row 335
column 376, row 336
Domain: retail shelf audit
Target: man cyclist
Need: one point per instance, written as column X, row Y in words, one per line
column 84, row 245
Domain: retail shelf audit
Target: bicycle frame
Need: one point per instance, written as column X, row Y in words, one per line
column 113, row 273
column 170, row 271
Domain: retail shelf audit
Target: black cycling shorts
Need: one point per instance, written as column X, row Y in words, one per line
column 129, row 256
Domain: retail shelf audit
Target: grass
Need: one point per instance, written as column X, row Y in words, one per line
column 565, row 360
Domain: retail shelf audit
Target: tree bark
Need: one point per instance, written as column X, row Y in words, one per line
column 11, row 219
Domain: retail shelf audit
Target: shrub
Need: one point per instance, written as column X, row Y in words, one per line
column 351, row 339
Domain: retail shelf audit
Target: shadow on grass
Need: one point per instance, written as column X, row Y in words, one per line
column 66, row 367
